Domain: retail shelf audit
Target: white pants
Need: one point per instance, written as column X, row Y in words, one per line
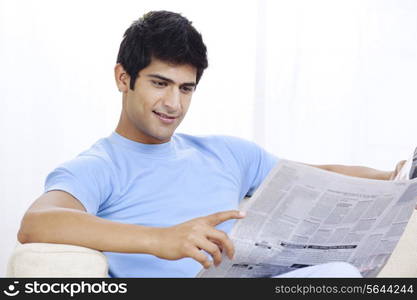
column 334, row 269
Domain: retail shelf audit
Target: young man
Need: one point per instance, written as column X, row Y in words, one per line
column 158, row 204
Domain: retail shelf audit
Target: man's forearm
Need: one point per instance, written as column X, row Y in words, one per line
column 71, row 226
column 357, row 171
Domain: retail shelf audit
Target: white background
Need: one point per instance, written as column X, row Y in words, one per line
column 318, row 81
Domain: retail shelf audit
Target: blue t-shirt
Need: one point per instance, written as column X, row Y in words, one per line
column 162, row 185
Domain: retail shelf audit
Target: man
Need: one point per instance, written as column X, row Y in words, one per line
column 158, row 204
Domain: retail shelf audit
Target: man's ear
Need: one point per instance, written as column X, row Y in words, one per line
column 122, row 78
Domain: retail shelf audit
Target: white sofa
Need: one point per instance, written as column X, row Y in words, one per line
column 56, row 260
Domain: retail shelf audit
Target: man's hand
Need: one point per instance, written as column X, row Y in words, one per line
column 397, row 169
column 189, row 238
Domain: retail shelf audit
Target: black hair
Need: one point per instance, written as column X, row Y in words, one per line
column 164, row 35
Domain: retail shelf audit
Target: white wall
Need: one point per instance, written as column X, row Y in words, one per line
column 315, row 81
column 341, row 81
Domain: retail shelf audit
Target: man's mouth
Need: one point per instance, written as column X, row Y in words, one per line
column 165, row 118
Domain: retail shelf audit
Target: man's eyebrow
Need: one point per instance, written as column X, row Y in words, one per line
column 170, row 80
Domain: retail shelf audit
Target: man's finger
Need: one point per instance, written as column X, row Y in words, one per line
column 223, row 241
column 222, row 216
column 212, row 249
column 201, row 258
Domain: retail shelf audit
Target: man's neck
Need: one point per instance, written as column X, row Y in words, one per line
column 127, row 130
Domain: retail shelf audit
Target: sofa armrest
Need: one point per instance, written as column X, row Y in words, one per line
column 56, row 260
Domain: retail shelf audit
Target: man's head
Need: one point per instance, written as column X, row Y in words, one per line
column 161, row 59
column 166, row 36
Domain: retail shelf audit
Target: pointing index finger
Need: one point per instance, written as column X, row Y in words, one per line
column 220, row 217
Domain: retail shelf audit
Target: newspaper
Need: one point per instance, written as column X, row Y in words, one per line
column 302, row 216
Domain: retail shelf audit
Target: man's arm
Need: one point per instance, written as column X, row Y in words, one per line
column 364, row 172
column 58, row 217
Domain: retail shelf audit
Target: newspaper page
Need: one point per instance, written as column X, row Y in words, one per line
column 302, row 216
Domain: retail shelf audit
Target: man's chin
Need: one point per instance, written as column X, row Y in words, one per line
column 159, row 139
column 161, row 135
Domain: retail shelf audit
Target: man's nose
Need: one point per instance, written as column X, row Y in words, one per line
column 172, row 100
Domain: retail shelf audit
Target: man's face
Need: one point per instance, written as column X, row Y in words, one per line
column 159, row 102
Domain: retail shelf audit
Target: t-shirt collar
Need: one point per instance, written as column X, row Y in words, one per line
column 155, row 149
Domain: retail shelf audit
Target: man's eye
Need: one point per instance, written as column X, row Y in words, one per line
column 187, row 89
column 159, row 83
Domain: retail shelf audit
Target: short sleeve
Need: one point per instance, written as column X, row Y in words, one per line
column 86, row 177
column 253, row 161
